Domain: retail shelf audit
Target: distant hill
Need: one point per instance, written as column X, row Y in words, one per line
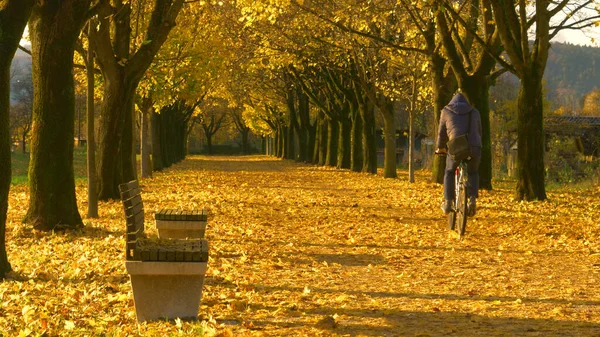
column 571, row 73
column 22, row 58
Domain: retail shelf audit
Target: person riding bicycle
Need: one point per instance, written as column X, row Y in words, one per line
column 454, row 122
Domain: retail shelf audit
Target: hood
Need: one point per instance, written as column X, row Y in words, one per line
column 459, row 105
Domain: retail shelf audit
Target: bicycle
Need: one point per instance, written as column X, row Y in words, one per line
column 459, row 212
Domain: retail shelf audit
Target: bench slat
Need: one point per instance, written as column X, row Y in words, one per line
column 134, row 210
column 136, row 218
column 179, row 215
column 131, row 202
column 126, row 195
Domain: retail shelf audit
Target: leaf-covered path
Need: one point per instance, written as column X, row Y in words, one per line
column 302, row 250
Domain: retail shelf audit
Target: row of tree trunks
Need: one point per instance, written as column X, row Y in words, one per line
column 169, row 134
column 369, row 146
column 341, row 135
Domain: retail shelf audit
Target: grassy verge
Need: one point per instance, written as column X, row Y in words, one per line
column 20, row 164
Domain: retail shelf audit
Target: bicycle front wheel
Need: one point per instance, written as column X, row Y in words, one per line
column 461, row 211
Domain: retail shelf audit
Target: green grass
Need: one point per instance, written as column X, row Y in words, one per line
column 20, row 164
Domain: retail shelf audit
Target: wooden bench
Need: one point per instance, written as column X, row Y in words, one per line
column 138, row 248
column 167, row 275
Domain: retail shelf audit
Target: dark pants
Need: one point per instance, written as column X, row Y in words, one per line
column 473, row 171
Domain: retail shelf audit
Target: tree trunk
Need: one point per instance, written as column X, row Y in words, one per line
column 91, row 137
column 145, row 142
column 477, row 92
column 389, row 129
column 444, row 87
column 311, row 143
column 304, row 131
column 411, row 144
column 367, row 111
column 277, row 142
column 411, row 147
column 356, row 136
column 182, row 141
column 155, row 125
column 316, row 159
column 54, row 29
column 344, row 144
column 290, row 149
column 267, row 145
column 332, row 142
column 127, row 146
column 245, row 143
column 13, row 18
column 284, row 142
column 113, row 121
column 209, row 144
column 411, row 131
column 323, row 141
column 116, row 149
column 530, row 163
column 6, row 56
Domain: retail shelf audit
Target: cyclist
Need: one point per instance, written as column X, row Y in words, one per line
column 454, row 121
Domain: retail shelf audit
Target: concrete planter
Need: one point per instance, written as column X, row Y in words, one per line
column 166, row 290
column 180, row 229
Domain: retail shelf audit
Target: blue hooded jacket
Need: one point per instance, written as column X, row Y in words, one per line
column 454, row 122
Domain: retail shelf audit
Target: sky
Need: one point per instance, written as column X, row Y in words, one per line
column 579, row 37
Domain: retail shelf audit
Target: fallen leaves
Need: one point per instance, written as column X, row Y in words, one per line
column 303, row 250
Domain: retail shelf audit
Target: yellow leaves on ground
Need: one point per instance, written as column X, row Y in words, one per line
column 298, row 250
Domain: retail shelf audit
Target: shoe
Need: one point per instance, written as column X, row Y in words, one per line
column 472, row 207
column 447, row 206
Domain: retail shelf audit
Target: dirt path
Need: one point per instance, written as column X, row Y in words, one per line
column 301, row 250
column 298, row 250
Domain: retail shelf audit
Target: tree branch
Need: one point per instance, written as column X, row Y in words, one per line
column 483, row 43
column 357, row 32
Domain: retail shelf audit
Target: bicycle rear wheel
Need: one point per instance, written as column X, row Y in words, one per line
column 461, row 209
column 452, row 220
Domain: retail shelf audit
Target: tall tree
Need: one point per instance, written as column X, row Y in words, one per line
column 54, row 29
column 528, row 62
column 13, row 18
column 472, row 66
column 122, row 71
column 91, row 130
column 213, row 115
column 443, row 81
column 242, row 128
